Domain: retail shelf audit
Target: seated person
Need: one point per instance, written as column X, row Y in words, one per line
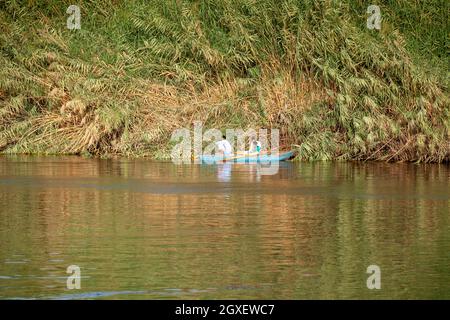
column 255, row 145
column 224, row 147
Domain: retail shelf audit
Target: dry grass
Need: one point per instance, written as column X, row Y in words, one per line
column 333, row 88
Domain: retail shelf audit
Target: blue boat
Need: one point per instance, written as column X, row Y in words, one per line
column 249, row 157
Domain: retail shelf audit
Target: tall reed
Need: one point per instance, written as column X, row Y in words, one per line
column 137, row 70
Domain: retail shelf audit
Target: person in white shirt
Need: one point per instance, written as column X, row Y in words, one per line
column 224, row 147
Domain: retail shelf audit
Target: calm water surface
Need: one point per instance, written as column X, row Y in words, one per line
column 153, row 230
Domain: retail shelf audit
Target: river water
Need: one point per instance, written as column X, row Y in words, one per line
column 139, row 229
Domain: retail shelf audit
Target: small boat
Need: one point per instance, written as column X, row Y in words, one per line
column 252, row 157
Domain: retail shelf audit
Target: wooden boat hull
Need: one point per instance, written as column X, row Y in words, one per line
column 249, row 158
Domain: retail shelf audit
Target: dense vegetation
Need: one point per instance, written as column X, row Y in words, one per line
column 137, row 70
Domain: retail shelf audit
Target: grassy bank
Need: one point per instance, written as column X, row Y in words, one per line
column 137, row 70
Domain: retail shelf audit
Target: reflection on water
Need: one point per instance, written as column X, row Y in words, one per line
column 151, row 230
column 224, row 171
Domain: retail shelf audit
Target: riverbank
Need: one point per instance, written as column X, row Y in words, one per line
column 136, row 71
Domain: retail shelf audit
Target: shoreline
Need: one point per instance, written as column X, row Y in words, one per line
column 167, row 159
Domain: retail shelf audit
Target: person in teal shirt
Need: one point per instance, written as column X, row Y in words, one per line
column 255, row 145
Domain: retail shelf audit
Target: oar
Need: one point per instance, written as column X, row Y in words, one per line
column 243, row 154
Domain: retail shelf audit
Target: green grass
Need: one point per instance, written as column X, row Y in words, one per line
column 137, row 70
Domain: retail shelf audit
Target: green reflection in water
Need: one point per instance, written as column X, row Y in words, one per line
column 152, row 230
